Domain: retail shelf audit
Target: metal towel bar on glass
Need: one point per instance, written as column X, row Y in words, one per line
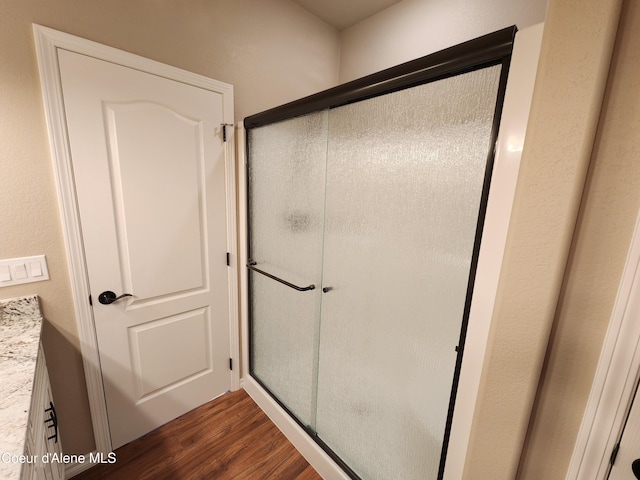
column 251, row 266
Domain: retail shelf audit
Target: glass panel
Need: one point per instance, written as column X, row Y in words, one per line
column 286, row 211
column 405, row 174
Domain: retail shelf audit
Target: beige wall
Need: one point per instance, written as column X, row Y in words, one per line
column 603, row 234
column 535, row 283
column 272, row 51
column 413, row 28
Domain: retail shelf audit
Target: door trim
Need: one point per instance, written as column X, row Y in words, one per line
column 47, row 42
column 615, row 380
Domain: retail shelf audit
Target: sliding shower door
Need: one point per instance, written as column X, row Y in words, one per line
column 366, row 208
column 405, row 176
column 286, row 213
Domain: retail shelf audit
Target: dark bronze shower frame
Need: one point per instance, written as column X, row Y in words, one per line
column 488, row 50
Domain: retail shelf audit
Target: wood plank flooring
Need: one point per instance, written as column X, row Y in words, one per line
column 227, row 438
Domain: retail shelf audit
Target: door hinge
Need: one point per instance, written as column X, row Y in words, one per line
column 224, row 130
column 614, row 454
column 228, row 259
column 231, row 364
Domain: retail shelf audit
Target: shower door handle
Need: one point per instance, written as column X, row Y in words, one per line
column 251, row 266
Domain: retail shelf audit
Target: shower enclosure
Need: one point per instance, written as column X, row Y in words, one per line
column 366, row 205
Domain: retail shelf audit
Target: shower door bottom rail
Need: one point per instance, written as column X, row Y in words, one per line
column 307, row 429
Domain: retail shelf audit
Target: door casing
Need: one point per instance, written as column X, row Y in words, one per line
column 48, row 41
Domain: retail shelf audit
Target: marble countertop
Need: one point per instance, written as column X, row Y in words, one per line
column 20, row 325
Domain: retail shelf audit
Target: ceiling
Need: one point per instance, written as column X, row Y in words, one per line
column 344, row 13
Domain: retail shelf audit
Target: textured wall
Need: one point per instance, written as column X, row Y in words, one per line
column 604, row 230
column 534, row 284
column 272, row 51
column 413, row 28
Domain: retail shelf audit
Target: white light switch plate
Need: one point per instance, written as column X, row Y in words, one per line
column 15, row 271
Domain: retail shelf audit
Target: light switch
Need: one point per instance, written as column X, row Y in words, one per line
column 36, row 269
column 21, row 271
column 5, row 273
column 14, row 271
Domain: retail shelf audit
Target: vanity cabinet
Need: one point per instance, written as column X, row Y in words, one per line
column 42, row 445
column 29, row 442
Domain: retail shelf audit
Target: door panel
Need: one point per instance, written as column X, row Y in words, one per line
column 379, row 209
column 143, row 200
column 182, row 336
column 405, row 176
column 149, row 168
column 286, row 208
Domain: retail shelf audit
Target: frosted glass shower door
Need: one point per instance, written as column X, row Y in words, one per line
column 405, row 175
column 286, row 212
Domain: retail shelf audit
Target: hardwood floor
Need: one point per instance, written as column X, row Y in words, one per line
column 227, row 438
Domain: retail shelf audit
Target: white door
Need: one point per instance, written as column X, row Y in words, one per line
column 627, row 460
column 149, row 165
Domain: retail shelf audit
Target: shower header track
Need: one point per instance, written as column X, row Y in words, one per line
column 487, row 50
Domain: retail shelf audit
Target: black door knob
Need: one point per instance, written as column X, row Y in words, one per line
column 108, row 297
